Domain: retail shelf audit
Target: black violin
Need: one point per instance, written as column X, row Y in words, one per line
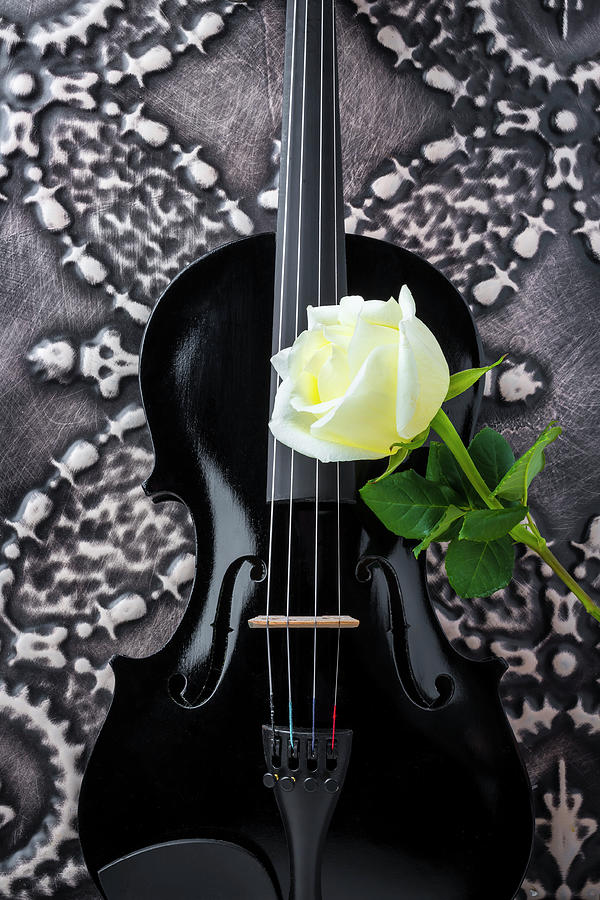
column 201, row 783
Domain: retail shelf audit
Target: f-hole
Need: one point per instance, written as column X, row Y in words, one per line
column 194, row 689
column 398, row 634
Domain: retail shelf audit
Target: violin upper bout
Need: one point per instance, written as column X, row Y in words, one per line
column 203, row 384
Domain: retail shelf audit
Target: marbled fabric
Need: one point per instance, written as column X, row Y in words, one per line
column 137, row 134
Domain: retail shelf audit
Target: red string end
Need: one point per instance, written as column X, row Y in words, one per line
column 333, row 732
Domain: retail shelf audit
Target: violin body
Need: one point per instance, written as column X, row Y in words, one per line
column 435, row 797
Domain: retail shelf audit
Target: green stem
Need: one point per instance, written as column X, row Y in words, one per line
column 533, row 526
column 450, row 436
column 448, row 433
column 558, row 568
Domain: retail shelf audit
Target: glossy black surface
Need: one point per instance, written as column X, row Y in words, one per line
column 436, row 797
column 189, row 870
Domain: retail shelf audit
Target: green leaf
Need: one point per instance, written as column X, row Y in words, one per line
column 414, row 443
column 451, row 532
column 452, row 514
column 404, row 450
column 462, row 381
column 491, row 524
column 395, row 460
column 478, row 568
column 434, row 468
column 515, row 483
column 407, row 504
column 492, row 455
column 443, row 468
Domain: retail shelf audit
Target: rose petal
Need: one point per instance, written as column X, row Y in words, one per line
column 303, row 348
column 364, row 418
column 340, row 335
column 318, row 316
column 407, row 385
column 305, row 392
column 407, row 303
column 350, row 308
column 280, row 362
column 291, row 427
column 318, row 359
column 382, row 312
column 366, row 338
column 334, row 377
column 315, row 409
column 432, row 373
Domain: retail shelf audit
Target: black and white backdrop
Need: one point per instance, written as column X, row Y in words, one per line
column 137, row 134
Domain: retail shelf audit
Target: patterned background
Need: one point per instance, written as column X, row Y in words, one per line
column 137, row 134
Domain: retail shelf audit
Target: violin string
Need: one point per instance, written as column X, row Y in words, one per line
column 291, row 500
column 319, row 245
column 339, row 599
column 278, row 380
column 314, row 684
column 335, row 244
column 270, row 559
column 287, row 608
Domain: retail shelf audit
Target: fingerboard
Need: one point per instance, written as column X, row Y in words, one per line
column 310, row 265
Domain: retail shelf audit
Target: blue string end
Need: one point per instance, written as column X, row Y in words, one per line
column 291, row 726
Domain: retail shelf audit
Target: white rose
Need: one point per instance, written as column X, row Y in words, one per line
column 363, row 376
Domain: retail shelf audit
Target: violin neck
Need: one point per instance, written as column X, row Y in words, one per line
column 310, row 261
column 310, row 267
